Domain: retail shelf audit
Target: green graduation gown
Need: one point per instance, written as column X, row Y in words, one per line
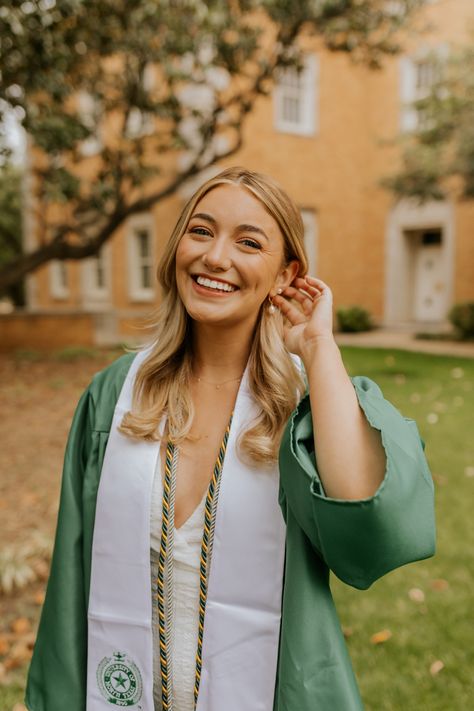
column 358, row 540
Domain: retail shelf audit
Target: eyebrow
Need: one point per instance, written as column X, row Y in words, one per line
column 240, row 228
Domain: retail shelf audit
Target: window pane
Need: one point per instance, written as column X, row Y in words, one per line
column 145, row 272
column 99, row 272
column 62, row 275
column 291, row 109
column 143, row 243
column 425, row 75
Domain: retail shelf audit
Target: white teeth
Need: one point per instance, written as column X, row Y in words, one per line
column 211, row 284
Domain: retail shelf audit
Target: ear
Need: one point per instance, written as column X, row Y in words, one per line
column 286, row 276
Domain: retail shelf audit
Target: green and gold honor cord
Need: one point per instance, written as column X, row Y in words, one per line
column 165, row 566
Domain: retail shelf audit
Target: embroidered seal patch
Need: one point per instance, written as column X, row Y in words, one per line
column 119, row 680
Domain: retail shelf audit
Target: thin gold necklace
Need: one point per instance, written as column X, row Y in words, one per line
column 217, row 386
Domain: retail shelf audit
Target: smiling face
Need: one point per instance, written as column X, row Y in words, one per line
column 230, row 258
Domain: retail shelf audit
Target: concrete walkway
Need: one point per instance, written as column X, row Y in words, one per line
column 381, row 338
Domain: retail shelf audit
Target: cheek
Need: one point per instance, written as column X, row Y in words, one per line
column 266, row 272
column 183, row 259
column 180, row 258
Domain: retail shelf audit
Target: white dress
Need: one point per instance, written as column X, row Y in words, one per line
column 186, row 557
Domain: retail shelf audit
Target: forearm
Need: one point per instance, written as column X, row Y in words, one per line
column 349, row 452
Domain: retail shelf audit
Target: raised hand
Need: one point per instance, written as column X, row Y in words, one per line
column 312, row 319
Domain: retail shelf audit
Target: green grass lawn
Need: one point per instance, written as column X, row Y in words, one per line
column 395, row 675
column 438, row 392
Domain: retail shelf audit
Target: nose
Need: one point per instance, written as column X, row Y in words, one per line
column 217, row 255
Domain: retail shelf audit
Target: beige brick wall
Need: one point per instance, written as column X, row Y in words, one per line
column 336, row 173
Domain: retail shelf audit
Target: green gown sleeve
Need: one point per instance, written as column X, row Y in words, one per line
column 362, row 540
column 57, row 673
column 58, row 670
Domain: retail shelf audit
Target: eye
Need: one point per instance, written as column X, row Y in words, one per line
column 249, row 242
column 203, row 231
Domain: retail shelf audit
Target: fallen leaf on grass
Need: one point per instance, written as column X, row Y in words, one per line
column 21, row 625
column 439, row 584
column 19, row 655
column 436, row 667
column 39, row 597
column 19, row 707
column 3, row 672
column 22, row 565
column 380, row 637
column 469, row 471
column 347, row 631
column 416, row 594
column 41, row 568
column 4, row 645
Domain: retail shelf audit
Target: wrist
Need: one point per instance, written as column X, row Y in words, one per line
column 318, row 347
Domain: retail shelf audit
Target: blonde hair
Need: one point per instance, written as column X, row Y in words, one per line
column 162, row 382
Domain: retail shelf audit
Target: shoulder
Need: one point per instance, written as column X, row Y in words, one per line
column 113, row 376
column 105, row 388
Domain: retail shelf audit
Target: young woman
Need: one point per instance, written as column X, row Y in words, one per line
column 171, row 475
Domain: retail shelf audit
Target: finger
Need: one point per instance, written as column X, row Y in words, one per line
column 316, row 293
column 297, row 294
column 304, row 300
column 318, row 283
column 304, row 287
column 294, row 315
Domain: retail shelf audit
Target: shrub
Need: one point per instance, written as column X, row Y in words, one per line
column 354, row 319
column 462, row 318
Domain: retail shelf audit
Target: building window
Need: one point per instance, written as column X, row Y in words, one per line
column 141, row 261
column 98, row 272
column 310, row 238
column 418, row 76
column 295, row 99
column 59, row 280
column 96, row 277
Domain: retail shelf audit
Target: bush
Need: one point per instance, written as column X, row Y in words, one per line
column 354, row 319
column 462, row 318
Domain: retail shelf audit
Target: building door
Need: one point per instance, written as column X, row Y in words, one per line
column 430, row 288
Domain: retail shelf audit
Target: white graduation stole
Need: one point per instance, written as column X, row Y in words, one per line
column 243, row 608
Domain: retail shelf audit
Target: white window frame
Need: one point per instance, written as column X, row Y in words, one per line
column 410, row 89
column 59, row 280
column 302, row 88
column 137, row 291
column 310, row 224
column 91, row 290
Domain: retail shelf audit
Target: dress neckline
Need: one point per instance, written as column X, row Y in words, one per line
column 199, row 509
column 193, row 514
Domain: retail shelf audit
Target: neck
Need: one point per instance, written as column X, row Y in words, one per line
column 220, row 354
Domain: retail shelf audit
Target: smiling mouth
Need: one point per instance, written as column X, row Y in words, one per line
column 214, row 285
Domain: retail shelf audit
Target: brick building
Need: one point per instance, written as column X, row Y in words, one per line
column 324, row 134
